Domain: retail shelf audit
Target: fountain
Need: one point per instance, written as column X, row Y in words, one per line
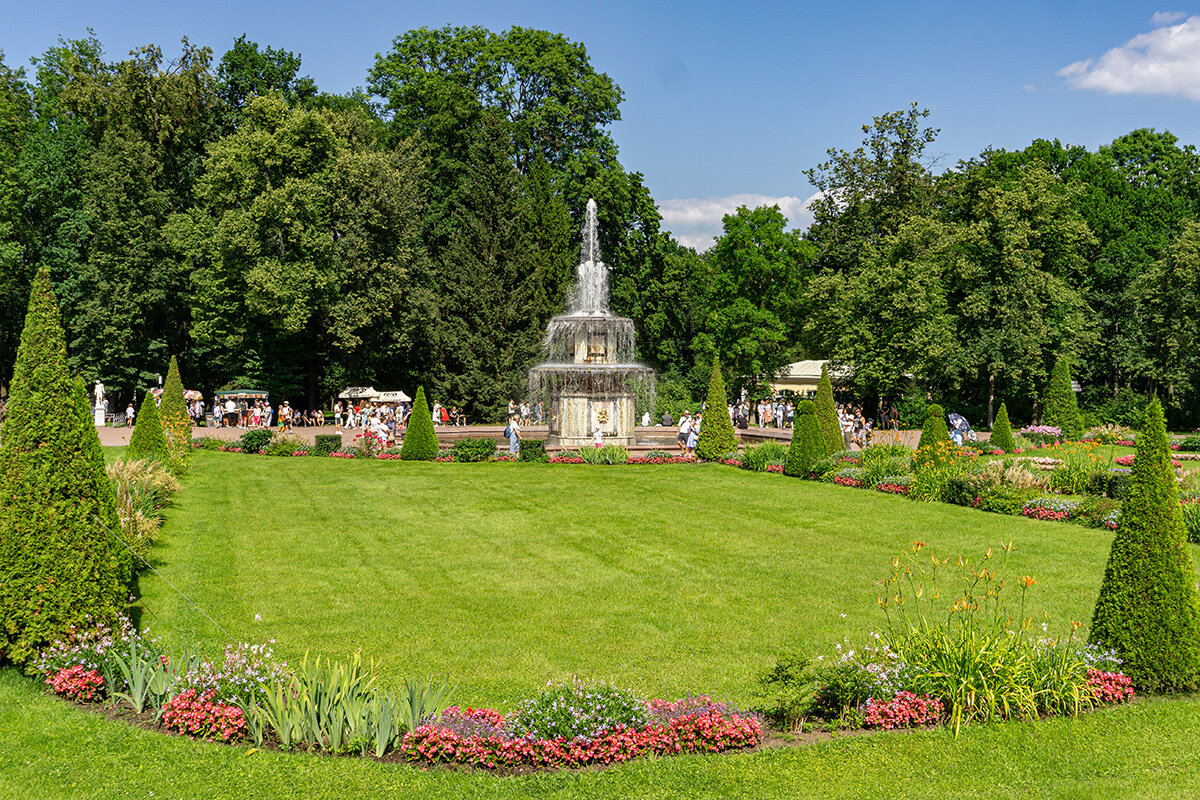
column 590, row 378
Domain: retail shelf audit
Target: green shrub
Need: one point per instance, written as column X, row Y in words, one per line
column 176, row 423
column 59, row 560
column 716, row 430
column 472, row 450
column 1060, row 407
column 533, row 450
column 1148, row 609
column 255, row 440
column 285, row 445
column 786, row 692
column 832, row 462
column 1006, row 500
column 325, row 443
column 1190, row 444
column 827, row 418
column 934, row 430
column 808, row 447
column 420, row 440
column 608, row 454
column 1002, row 436
column 913, row 408
column 147, row 439
column 874, row 470
column 759, row 457
column 208, row 443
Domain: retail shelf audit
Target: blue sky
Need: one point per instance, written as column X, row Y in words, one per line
column 728, row 103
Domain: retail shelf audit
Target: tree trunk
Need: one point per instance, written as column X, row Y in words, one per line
column 991, row 398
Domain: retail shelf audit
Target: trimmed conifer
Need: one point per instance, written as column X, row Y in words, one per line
column 59, row 562
column 716, row 430
column 176, row 423
column 420, row 440
column 808, row 446
column 1148, row 610
column 827, row 418
column 934, row 430
column 1002, row 437
column 1060, row 407
column 148, row 439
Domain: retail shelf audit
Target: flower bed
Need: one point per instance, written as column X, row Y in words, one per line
column 1049, row 508
column 77, row 683
column 895, row 484
column 479, row 737
column 1110, row 687
column 202, row 716
column 905, row 710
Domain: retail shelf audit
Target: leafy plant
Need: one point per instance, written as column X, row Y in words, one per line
column 578, row 710
column 1060, row 407
column 421, row 700
column 255, row 440
column 325, row 443
column 759, row 457
column 608, row 454
column 786, row 691
column 1002, row 436
column 472, row 450
column 716, row 431
column 148, row 440
column 827, row 418
column 533, row 450
column 1191, row 521
column 934, row 430
column 176, row 423
column 807, row 447
column 285, row 445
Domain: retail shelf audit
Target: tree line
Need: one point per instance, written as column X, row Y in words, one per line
column 422, row 230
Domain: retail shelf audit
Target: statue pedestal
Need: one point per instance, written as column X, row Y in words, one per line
column 98, row 416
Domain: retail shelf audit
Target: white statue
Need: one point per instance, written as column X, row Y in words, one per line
column 99, row 393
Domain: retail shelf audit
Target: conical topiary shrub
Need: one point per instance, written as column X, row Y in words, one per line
column 1002, row 438
column 934, row 430
column 808, row 446
column 148, row 439
column 420, row 441
column 176, row 423
column 1060, row 407
column 716, row 430
column 1148, row 610
column 59, row 562
column 827, row 418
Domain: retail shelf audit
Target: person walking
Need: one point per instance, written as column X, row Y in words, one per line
column 685, row 428
column 514, row 435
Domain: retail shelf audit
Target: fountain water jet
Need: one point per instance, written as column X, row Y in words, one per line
column 590, row 379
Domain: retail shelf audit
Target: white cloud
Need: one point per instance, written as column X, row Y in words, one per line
column 1163, row 61
column 696, row 221
column 1166, row 17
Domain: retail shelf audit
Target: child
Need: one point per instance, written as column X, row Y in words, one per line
column 598, row 437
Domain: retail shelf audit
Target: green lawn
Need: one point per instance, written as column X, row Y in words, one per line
column 664, row 579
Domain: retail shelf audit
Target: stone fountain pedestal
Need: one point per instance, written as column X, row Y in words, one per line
column 575, row 417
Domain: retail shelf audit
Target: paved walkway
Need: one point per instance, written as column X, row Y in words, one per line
column 655, row 437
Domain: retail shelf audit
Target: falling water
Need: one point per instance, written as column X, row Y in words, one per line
column 590, row 295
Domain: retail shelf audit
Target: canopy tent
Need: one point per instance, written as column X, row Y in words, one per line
column 242, row 394
column 188, row 394
column 371, row 393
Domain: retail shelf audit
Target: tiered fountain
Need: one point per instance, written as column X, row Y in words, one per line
column 590, row 379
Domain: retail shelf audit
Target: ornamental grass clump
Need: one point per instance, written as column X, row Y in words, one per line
column 1148, row 610
column 807, row 447
column 760, row 458
column 59, row 560
column 420, row 440
column 716, row 431
column 1002, row 436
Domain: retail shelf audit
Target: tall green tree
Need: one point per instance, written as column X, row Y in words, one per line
column 759, row 271
column 716, row 428
column 305, row 251
column 245, row 71
column 58, row 517
column 176, row 422
column 827, row 418
column 1061, row 408
column 148, row 439
column 1148, row 610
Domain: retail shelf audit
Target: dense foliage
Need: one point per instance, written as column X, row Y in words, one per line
column 59, row 557
column 716, row 429
column 148, row 439
column 831, row 428
column 420, row 440
column 176, row 422
column 1148, row 609
column 1002, row 436
column 273, row 235
column 1060, row 408
column 934, row 430
column 808, row 445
